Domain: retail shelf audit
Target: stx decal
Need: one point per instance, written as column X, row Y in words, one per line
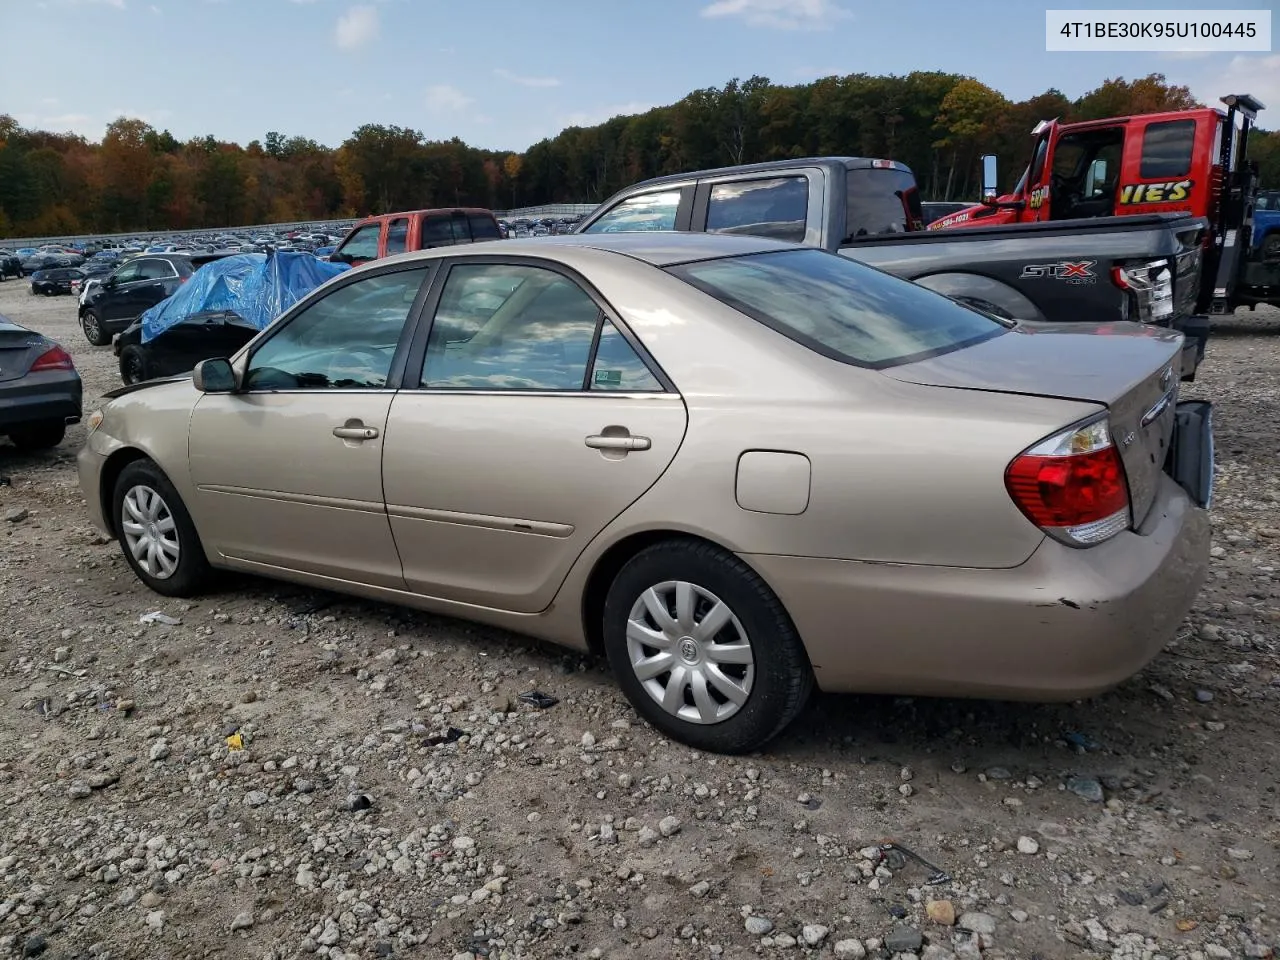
column 1171, row 191
column 1072, row 271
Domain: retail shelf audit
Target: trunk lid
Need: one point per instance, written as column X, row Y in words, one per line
column 19, row 348
column 1132, row 369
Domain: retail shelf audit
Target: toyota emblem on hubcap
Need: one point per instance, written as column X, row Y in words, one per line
column 689, row 649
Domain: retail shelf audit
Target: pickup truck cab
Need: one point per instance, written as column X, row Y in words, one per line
column 1133, row 268
column 391, row 233
column 1266, row 225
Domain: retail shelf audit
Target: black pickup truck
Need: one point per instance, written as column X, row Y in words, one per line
column 1123, row 268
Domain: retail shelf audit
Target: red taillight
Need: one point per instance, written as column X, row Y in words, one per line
column 1072, row 485
column 55, row 358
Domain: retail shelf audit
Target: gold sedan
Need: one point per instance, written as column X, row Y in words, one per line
column 735, row 466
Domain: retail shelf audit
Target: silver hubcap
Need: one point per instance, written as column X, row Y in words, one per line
column 91, row 325
column 150, row 532
column 690, row 652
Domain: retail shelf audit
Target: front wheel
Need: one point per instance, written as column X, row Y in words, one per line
column 156, row 533
column 703, row 648
column 91, row 324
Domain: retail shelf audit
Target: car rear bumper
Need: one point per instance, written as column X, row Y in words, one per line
column 1067, row 623
column 39, row 398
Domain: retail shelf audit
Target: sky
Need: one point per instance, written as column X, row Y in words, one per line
column 503, row 74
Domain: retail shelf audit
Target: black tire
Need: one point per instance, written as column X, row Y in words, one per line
column 192, row 573
column 783, row 677
column 38, row 436
column 91, row 324
column 133, row 364
column 1271, row 248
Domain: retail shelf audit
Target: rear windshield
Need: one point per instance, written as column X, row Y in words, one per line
column 484, row 228
column 881, row 201
column 839, row 308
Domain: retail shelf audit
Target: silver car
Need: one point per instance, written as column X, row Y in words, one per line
column 734, row 466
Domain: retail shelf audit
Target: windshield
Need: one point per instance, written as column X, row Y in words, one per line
column 881, row 201
column 840, row 308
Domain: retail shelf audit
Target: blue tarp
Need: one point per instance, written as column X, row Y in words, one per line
column 256, row 286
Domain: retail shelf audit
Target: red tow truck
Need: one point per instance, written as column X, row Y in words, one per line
column 1187, row 161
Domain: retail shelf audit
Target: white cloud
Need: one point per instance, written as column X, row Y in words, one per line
column 780, row 14
column 442, row 98
column 156, row 10
column 506, row 74
column 1255, row 73
column 589, row 118
column 356, row 28
column 65, row 121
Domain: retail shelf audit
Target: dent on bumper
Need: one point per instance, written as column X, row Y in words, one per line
column 1065, row 624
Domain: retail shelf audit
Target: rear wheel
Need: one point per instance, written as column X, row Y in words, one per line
column 703, row 648
column 38, row 436
column 91, row 324
column 133, row 364
column 1271, row 247
column 155, row 531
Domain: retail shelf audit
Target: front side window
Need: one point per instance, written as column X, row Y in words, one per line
column 127, row 274
column 397, row 236
column 345, row 340
column 1166, row 149
column 363, row 244
column 647, row 211
column 510, row 327
column 840, row 308
column 775, row 208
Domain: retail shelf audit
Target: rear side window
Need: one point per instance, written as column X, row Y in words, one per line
column 397, row 236
column 647, row 211
column 881, row 201
column 1166, row 149
column 840, row 308
column 363, row 244
column 156, row 270
column 775, row 208
column 484, row 228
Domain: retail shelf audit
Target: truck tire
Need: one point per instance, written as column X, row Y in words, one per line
column 1271, row 247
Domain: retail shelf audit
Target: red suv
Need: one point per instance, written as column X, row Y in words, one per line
column 392, row 233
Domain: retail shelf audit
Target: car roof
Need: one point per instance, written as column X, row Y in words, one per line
column 659, row 248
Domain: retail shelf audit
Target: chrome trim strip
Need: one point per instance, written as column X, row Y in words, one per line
column 538, row 528
column 311, row 500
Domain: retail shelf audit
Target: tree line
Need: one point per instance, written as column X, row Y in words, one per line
column 139, row 178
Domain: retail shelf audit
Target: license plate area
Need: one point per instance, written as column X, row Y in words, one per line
column 1190, row 460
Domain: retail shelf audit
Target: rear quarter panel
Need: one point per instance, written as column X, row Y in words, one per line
column 900, row 473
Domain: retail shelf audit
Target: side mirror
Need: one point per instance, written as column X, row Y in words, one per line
column 339, row 257
column 214, row 376
column 990, row 180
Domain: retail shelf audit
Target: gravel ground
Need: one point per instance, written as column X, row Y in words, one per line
column 393, row 798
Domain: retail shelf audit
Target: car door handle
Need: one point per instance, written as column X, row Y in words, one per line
column 355, row 431
column 600, row 442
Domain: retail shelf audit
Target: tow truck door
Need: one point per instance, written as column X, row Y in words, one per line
column 1167, row 166
column 1035, row 191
